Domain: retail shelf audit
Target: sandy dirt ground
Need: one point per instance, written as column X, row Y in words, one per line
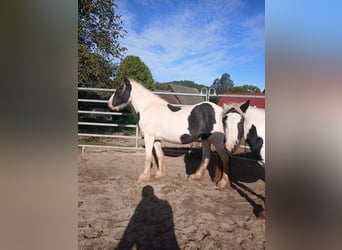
column 116, row 212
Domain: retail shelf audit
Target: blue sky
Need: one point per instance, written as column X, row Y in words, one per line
column 197, row 40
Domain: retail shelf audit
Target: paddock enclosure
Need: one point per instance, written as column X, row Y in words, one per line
column 202, row 216
column 168, row 213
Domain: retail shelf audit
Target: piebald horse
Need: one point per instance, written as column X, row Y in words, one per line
column 160, row 121
column 242, row 121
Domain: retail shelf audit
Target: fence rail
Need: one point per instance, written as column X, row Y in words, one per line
column 101, row 112
column 205, row 92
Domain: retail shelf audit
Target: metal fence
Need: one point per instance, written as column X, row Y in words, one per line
column 206, row 93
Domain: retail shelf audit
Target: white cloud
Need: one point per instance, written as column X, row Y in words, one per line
column 254, row 29
column 193, row 43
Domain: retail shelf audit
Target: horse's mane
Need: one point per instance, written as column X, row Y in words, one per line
column 249, row 115
column 233, row 105
column 146, row 92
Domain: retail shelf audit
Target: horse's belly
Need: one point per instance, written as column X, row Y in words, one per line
column 170, row 136
column 169, row 132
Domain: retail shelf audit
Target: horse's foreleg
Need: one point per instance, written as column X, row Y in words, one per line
column 160, row 156
column 204, row 163
column 146, row 174
column 220, row 149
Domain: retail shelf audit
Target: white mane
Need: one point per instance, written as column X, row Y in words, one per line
column 140, row 95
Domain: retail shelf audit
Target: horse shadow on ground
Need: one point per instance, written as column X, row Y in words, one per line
column 243, row 167
column 151, row 226
column 192, row 159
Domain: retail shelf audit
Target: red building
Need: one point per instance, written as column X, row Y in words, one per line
column 241, row 97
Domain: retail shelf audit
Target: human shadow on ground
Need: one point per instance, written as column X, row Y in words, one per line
column 151, row 226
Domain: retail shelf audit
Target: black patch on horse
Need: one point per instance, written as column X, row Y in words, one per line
column 201, row 122
column 240, row 129
column 244, row 106
column 254, row 141
column 122, row 93
column 173, row 108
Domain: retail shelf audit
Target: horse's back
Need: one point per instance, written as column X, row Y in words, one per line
column 256, row 116
column 170, row 123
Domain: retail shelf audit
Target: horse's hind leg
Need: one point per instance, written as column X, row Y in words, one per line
column 146, row 174
column 205, row 161
column 160, row 158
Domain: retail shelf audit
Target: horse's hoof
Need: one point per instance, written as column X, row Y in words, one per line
column 143, row 178
column 191, row 177
column 222, row 183
column 195, row 177
column 159, row 174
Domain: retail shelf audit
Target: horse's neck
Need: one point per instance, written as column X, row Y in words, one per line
column 252, row 117
column 142, row 97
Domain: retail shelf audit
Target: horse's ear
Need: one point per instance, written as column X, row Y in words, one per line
column 244, row 106
column 226, row 107
column 126, row 80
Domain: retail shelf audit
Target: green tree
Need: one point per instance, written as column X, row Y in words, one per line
column 136, row 69
column 99, row 30
column 245, row 89
column 223, row 84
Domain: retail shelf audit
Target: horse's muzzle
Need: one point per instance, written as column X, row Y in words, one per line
column 110, row 104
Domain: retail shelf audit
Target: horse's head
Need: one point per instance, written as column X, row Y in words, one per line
column 122, row 95
column 233, row 119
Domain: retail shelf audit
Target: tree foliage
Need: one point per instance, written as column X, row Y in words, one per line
column 223, row 84
column 134, row 68
column 245, row 89
column 99, row 30
column 226, row 85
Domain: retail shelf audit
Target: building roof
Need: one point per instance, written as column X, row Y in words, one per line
column 169, row 98
column 258, row 102
column 186, row 100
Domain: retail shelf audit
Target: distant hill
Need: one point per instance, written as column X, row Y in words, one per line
column 185, row 83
